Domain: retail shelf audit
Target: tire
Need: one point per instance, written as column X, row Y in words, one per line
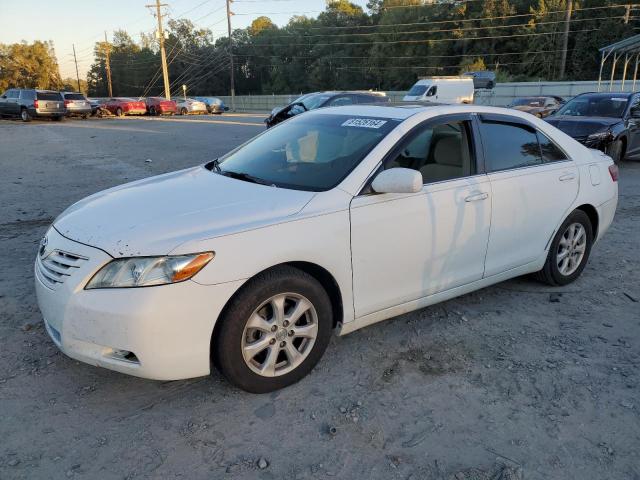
column 24, row 115
column 85, row 116
column 616, row 150
column 152, row 111
column 59, row 118
column 231, row 345
column 183, row 111
column 490, row 86
column 552, row 273
column 119, row 112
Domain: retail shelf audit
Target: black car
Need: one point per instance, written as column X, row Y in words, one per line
column 311, row 101
column 606, row 121
column 28, row 103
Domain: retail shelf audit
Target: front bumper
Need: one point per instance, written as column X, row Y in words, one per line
column 160, row 333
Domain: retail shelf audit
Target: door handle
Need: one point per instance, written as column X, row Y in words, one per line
column 565, row 177
column 476, row 197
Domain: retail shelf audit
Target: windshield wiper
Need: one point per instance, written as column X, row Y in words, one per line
column 244, row 177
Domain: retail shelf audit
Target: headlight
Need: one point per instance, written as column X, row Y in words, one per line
column 599, row 136
column 148, row 271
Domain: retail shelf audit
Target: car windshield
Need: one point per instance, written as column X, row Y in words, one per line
column 529, row 101
column 309, row 152
column 313, row 101
column 417, row 90
column 600, row 106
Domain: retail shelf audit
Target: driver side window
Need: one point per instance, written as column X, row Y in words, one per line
column 439, row 152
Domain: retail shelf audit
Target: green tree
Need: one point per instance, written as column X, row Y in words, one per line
column 29, row 65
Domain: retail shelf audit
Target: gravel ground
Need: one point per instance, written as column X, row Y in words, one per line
column 514, row 381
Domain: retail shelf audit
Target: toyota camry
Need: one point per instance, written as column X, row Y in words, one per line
column 329, row 222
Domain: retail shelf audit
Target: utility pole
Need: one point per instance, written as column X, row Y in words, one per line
column 565, row 38
column 163, row 55
column 76, row 62
column 627, row 14
column 233, row 90
column 108, row 48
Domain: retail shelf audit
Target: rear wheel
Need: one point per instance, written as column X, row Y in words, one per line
column 24, row 115
column 153, row 112
column 119, row 112
column 274, row 330
column 569, row 251
column 58, row 118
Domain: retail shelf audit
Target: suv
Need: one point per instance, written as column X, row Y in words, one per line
column 76, row 104
column 29, row 103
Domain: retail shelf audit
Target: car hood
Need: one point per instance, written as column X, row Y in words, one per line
column 155, row 215
column 578, row 127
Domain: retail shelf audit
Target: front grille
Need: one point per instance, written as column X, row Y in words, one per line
column 54, row 268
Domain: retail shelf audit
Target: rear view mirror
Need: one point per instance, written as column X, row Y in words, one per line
column 398, row 180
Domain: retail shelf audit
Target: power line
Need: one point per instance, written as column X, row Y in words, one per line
column 426, row 41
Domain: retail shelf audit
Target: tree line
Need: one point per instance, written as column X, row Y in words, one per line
column 386, row 47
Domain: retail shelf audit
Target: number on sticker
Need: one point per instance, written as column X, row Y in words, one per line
column 364, row 123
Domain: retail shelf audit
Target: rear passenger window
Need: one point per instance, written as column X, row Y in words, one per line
column 439, row 152
column 550, row 152
column 28, row 95
column 508, row 146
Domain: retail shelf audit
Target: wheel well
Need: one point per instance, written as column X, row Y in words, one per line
column 316, row 271
column 592, row 213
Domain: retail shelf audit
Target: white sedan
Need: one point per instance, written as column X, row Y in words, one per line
column 190, row 106
column 332, row 221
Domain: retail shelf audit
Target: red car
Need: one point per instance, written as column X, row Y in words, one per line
column 125, row 106
column 160, row 106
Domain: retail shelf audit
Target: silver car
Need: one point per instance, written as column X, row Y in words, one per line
column 76, row 104
column 191, row 106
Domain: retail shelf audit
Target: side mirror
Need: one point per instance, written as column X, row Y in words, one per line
column 635, row 112
column 226, row 109
column 4, row 96
column 398, row 180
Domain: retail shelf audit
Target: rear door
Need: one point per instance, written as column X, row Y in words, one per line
column 533, row 184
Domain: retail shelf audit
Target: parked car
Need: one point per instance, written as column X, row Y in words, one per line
column 482, row 79
column 76, row 104
column 538, row 106
column 125, row 106
column 334, row 220
column 191, row 106
column 311, row 101
column 607, row 121
column 31, row 103
column 441, row 90
column 98, row 107
column 160, row 106
column 214, row 104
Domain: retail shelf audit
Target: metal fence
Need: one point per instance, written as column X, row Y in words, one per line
column 501, row 95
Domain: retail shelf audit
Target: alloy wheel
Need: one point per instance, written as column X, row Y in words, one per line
column 279, row 334
column 571, row 249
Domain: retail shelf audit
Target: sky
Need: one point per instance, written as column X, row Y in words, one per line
column 83, row 22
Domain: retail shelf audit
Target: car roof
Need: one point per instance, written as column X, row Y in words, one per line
column 606, row 94
column 401, row 111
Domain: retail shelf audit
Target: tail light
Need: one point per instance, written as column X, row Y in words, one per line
column 67, row 102
column 614, row 172
column 35, row 104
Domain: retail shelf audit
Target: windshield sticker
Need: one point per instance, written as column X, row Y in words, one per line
column 364, row 123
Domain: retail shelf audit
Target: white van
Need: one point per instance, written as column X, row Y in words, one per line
column 441, row 90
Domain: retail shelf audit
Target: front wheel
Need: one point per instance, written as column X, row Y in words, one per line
column 569, row 251
column 274, row 330
column 119, row 112
column 615, row 150
column 183, row 111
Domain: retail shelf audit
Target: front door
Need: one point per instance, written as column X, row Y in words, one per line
column 533, row 184
column 407, row 246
